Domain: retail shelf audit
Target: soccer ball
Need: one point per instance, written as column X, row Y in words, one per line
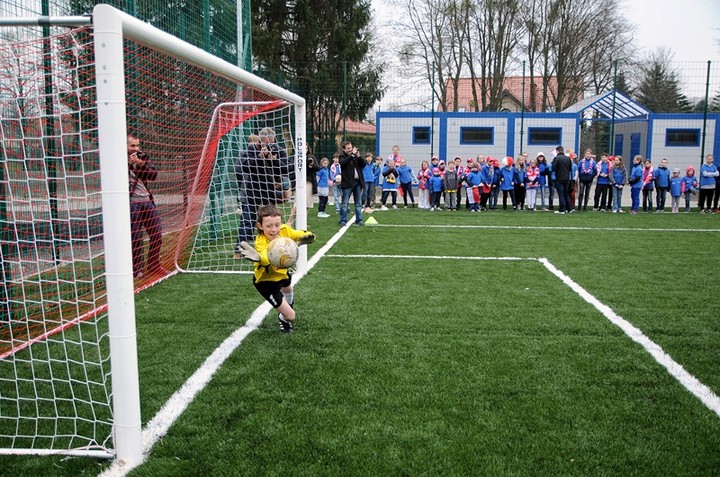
column 282, row 252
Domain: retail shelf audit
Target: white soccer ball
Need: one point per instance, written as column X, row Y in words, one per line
column 282, row 252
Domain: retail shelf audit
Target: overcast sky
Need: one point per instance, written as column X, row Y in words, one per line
column 688, row 28
column 691, row 28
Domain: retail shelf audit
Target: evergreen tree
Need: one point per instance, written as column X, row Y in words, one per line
column 319, row 49
column 659, row 88
column 715, row 103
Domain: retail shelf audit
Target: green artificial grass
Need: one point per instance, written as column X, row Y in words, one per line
column 445, row 366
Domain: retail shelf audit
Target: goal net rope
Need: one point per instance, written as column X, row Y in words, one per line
column 219, row 148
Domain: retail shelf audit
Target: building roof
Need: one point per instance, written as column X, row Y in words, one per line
column 610, row 104
column 512, row 86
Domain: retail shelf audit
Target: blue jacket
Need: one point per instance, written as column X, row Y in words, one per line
column 507, row 178
column 691, row 183
column 390, row 175
column 709, row 179
column 323, row 176
column 435, row 183
column 368, row 173
column 544, row 172
column 636, row 176
column 490, row 175
column 662, row 177
column 474, row 178
column 406, row 174
column 519, row 175
column 619, row 176
column 603, row 168
column 676, row 184
column 587, row 165
column 376, row 173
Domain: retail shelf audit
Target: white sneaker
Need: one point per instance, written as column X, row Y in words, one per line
column 383, row 208
column 323, row 215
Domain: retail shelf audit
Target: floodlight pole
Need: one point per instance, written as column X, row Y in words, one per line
column 522, row 109
column 432, row 110
column 705, row 113
column 611, row 140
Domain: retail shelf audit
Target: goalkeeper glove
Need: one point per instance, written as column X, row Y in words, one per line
column 249, row 252
column 306, row 238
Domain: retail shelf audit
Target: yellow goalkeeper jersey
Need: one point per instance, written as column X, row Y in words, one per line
column 264, row 270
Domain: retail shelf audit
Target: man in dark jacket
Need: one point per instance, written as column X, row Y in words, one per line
column 261, row 171
column 562, row 167
column 143, row 213
column 351, row 172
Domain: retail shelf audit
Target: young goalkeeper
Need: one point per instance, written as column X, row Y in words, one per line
column 274, row 284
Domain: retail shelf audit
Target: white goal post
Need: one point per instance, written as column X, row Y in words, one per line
column 112, row 266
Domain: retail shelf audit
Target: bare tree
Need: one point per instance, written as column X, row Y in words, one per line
column 435, row 38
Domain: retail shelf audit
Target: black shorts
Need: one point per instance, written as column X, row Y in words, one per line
column 271, row 291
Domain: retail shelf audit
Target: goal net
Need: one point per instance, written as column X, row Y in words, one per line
column 126, row 155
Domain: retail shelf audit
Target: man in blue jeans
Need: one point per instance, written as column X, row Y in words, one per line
column 351, row 171
column 562, row 168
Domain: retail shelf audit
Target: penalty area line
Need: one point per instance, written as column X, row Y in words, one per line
column 159, row 425
column 428, row 257
column 542, row 227
column 686, row 380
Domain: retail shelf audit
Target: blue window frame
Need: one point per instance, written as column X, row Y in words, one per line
column 545, row 136
column 634, row 144
column 477, row 135
column 682, row 137
column 421, row 135
column 619, row 142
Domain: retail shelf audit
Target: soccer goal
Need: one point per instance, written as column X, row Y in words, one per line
column 222, row 141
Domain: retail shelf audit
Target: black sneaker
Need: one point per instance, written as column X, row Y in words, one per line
column 285, row 326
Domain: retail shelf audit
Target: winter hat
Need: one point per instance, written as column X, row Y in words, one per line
column 676, row 171
column 436, row 170
column 470, row 159
column 540, row 154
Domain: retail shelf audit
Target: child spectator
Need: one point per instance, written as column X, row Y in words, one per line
column 573, row 179
column 618, row 179
column 435, row 184
column 676, row 189
column 323, row 187
column 461, row 176
column 708, row 173
column 602, row 186
column 647, row 185
column 544, row 168
column 423, row 176
column 451, row 181
column 335, row 179
column 532, row 178
column 520, row 182
column 494, row 171
column 395, row 155
column 689, row 187
column 368, row 182
column 635, row 182
column 507, row 182
column 377, row 170
column 390, row 184
column 587, row 170
column 662, row 182
column 467, row 170
column 405, row 176
column 474, row 180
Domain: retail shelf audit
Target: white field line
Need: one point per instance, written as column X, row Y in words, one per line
column 686, row 380
column 542, row 227
column 181, row 399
